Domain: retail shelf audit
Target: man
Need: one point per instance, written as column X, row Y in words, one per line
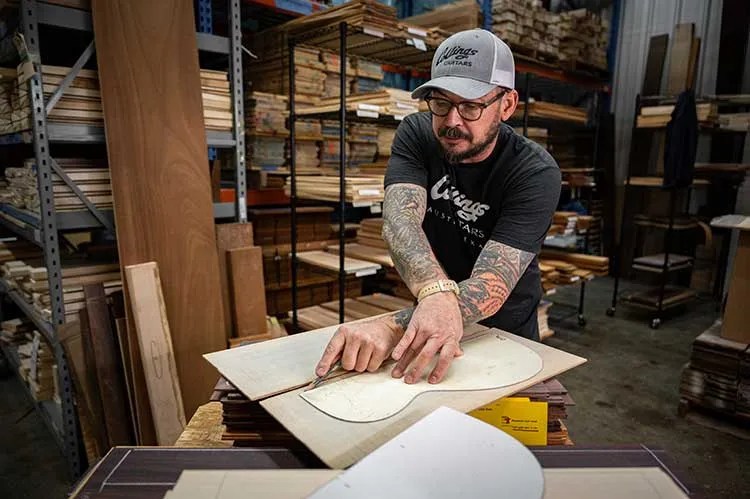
column 468, row 202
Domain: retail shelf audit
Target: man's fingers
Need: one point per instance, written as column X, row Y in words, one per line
column 404, row 362
column 378, row 356
column 363, row 358
column 351, row 350
column 406, row 339
column 421, row 362
column 331, row 353
column 447, row 354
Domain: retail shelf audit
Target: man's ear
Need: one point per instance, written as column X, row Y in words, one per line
column 509, row 104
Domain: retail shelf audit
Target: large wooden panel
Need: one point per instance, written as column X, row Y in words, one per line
column 155, row 343
column 156, row 143
column 679, row 58
column 339, row 443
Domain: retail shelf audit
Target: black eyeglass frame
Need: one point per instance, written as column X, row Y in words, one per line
column 482, row 105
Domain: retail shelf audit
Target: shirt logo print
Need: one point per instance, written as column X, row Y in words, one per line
column 468, row 210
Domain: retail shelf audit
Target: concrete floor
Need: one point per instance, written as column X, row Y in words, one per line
column 626, row 394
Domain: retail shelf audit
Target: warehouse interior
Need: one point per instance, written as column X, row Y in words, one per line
column 199, row 205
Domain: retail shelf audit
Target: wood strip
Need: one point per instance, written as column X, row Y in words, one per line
column 386, row 301
column 247, row 291
column 230, row 236
column 155, row 340
column 679, row 55
column 161, row 188
column 121, row 329
column 109, row 374
column 657, row 51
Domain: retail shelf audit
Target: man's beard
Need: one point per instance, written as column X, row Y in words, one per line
column 452, row 132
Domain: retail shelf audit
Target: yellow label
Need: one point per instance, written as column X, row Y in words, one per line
column 518, row 417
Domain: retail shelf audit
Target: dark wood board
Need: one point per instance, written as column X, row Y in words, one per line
column 230, row 236
column 247, row 290
column 156, row 144
column 108, row 367
column 657, row 51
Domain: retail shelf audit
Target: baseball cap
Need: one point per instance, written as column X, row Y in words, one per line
column 470, row 64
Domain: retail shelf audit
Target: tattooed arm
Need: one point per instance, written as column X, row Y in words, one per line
column 419, row 333
column 403, row 212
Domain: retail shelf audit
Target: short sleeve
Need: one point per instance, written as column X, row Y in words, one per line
column 407, row 161
column 527, row 210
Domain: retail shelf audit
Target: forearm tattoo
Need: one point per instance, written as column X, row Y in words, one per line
column 403, row 212
column 403, row 317
column 496, row 272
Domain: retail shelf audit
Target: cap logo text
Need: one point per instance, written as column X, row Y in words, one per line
column 458, row 53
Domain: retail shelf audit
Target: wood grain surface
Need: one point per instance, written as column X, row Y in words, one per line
column 248, row 296
column 151, row 96
column 230, row 236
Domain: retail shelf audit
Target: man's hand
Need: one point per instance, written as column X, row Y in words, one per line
column 361, row 346
column 436, row 328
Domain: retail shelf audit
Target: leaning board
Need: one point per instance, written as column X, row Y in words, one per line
column 340, row 444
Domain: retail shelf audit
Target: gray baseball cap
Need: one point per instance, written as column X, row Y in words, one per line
column 470, row 64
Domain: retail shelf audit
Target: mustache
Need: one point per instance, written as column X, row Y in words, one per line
column 453, row 133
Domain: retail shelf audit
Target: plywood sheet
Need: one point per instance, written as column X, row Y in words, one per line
column 341, row 443
column 157, row 355
column 492, row 361
column 234, row 484
column 612, row 483
column 432, row 459
column 248, row 296
column 156, row 144
column 264, row 369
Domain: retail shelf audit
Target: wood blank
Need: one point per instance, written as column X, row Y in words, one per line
column 657, row 51
column 150, row 317
column 108, row 371
column 156, row 146
column 247, row 291
column 679, row 58
column 230, row 236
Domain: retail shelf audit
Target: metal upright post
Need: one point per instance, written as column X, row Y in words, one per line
column 235, row 64
column 342, row 164
column 293, row 182
column 50, row 246
column 655, row 322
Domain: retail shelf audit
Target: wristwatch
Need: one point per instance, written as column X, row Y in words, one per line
column 439, row 286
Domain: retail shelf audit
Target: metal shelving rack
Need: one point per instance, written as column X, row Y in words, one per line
column 44, row 231
column 594, row 84
column 665, row 270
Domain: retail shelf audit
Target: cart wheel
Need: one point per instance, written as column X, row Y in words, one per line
column 655, row 323
column 611, row 312
column 581, row 320
column 683, row 408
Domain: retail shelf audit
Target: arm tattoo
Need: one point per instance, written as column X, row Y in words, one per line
column 496, row 272
column 403, row 211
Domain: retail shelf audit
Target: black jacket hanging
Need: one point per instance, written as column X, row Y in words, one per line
column 681, row 142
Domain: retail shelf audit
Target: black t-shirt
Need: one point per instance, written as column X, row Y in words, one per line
column 509, row 197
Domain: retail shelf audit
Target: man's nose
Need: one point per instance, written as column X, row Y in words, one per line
column 453, row 119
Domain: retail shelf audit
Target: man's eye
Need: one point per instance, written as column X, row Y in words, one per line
column 471, row 108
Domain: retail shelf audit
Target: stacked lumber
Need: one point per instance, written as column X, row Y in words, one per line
column 359, row 190
column 564, row 222
column 14, row 250
column 549, row 110
column 14, row 103
column 266, row 114
column 270, row 73
column 738, row 122
column 90, row 177
column 307, row 151
column 274, row 329
column 272, row 226
column 598, row 265
column 246, row 423
column 718, row 375
column 542, row 316
column 385, row 141
column 318, row 289
column 584, row 37
column 529, row 29
column 266, row 153
column 332, row 63
column 37, row 367
column 363, row 144
column 217, row 100
column 327, row 314
column 386, row 101
column 451, row 18
column 371, row 233
column 15, row 332
column 659, row 116
column 319, row 259
column 369, row 76
column 558, row 400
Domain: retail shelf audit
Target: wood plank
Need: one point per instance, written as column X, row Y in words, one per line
column 156, row 145
column 363, row 252
column 657, row 51
column 248, row 296
column 230, row 236
column 339, row 444
column 157, row 355
column 89, row 362
column 108, row 371
column 682, row 42
column 121, row 329
column 386, row 301
column 735, row 325
column 330, row 261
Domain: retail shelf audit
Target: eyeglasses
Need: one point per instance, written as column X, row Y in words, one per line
column 470, row 111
